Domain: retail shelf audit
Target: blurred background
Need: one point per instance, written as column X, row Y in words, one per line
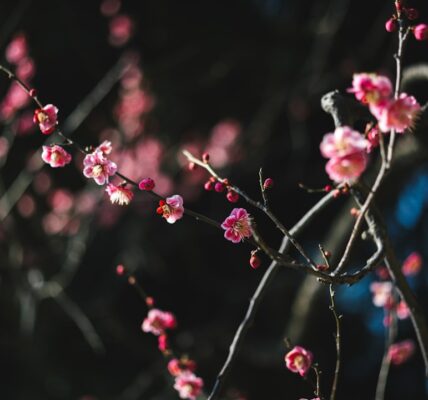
column 241, row 80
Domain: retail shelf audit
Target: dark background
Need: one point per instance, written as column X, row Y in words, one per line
column 264, row 64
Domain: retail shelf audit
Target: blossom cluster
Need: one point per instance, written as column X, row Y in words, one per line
column 346, row 148
column 187, row 384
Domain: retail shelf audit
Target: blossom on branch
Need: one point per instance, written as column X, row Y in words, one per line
column 398, row 114
column 119, row 194
column 158, row 321
column 400, row 352
column 55, row 156
column 98, row 167
column 171, row 208
column 299, row 360
column 188, row 385
column 237, row 225
column 343, row 142
column 346, row 168
column 371, row 88
column 47, row 118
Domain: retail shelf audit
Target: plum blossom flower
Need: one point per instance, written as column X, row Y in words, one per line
column 47, row 118
column 371, row 88
column 98, row 167
column 55, row 156
column 237, row 225
column 158, row 321
column 299, row 360
column 400, row 352
column 120, row 195
column 177, row 367
column 402, row 310
column 343, row 142
column 398, row 114
column 171, row 208
column 382, row 294
column 188, row 385
column 412, row 264
column 346, row 168
column 105, row 147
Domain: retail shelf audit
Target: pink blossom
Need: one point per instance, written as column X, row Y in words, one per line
column 158, row 321
column 346, row 168
column 399, row 114
column 188, row 385
column 343, row 142
column 382, row 294
column 402, row 310
column 121, row 27
column 237, row 225
column 171, row 208
column 47, row 118
column 177, row 367
column 412, row 264
column 299, row 360
column 371, row 88
column 105, row 147
column 400, row 352
column 98, row 167
column 119, row 194
column 55, row 156
column 17, row 49
column 26, row 69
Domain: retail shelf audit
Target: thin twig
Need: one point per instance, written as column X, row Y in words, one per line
column 262, row 207
column 337, row 340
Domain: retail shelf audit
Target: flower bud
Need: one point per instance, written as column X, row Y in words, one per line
column 421, row 32
column 268, row 183
column 232, row 196
column 255, row 261
column 391, row 25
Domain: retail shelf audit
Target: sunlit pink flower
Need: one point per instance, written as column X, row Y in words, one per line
column 188, row 385
column 343, row 142
column 346, row 168
column 412, row 264
column 105, row 147
column 177, row 367
column 121, row 27
column 158, row 321
column 400, row 352
column 399, row 114
column 17, row 49
column 299, row 360
column 119, row 194
column 55, row 156
column 237, row 225
column 402, row 310
column 371, row 88
column 47, row 118
column 171, row 208
column 382, row 294
column 98, row 167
